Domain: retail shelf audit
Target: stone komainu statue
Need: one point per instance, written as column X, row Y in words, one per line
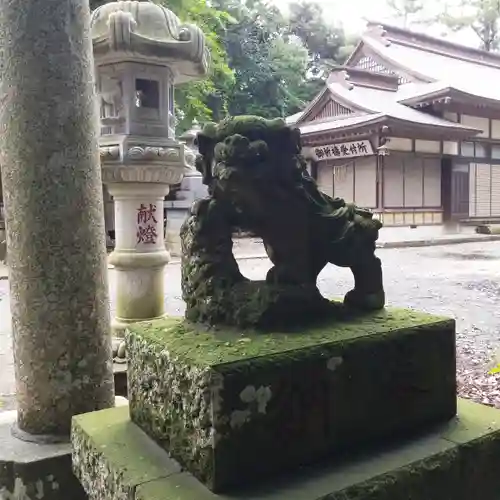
column 258, row 182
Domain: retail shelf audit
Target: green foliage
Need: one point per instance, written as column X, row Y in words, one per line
column 198, row 99
column 323, row 41
column 406, row 10
column 482, row 16
column 279, row 63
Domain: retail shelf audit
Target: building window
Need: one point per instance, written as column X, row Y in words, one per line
column 467, row 149
column 474, row 149
column 495, row 152
column 481, row 151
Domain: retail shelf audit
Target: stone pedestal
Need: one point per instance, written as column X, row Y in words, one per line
column 233, row 409
column 457, row 460
column 28, row 470
column 31, row 471
column 177, row 212
column 362, row 409
column 52, row 191
column 140, row 256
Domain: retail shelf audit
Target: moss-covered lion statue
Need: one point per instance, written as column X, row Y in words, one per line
column 258, row 182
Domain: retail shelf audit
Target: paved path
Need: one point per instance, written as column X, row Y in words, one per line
column 462, row 281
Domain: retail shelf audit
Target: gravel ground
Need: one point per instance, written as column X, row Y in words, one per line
column 462, row 281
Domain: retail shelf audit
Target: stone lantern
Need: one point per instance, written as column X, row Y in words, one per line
column 141, row 51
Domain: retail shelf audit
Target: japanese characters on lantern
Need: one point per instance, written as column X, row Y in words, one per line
column 147, row 224
column 344, row 150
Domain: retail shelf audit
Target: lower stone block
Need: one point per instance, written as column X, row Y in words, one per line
column 111, row 455
column 458, row 460
column 233, row 408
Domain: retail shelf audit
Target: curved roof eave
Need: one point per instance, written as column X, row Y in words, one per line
column 373, row 44
column 416, row 98
column 370, row 120
column 459, row 131
column 312, row 104
column 355, row 52
column 447, row 91
column 451, row 132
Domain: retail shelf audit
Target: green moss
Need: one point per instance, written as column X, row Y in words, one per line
column 112, row 432
column 206, row 395
column 224, row 345
column 248, row 126
column 258, row 182
column 441, row 465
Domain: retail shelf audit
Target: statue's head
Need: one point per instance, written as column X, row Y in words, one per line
column 248, row 141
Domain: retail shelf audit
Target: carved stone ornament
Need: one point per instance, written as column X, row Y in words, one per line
column 140, row 153
column 151, row 173
column 190, row 159
column 109, row 153
column 258, row 183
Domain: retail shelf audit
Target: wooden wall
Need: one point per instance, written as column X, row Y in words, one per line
column 354, row 180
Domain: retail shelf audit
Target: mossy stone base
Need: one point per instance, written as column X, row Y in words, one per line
column 232, row 407
column 458, row 460
column 257, row 304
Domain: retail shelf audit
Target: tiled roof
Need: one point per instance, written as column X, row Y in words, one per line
column 440, row 68
column 383, row 105
column 475, row 78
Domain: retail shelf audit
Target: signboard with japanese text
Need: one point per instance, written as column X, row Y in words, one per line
column 343, row 150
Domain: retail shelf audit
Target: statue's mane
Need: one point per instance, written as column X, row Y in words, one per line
column 273, row 138
column 254, row 128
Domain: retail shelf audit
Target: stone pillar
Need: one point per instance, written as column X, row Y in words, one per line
column 140, row 255
column 54, row 216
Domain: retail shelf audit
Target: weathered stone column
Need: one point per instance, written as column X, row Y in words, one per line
column 54, row 215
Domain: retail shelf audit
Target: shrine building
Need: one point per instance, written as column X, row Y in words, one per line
column 410, row 128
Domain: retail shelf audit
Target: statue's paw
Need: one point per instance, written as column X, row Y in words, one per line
column 365, row 302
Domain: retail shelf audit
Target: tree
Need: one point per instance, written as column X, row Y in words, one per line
column 323, row 41
column 269, row 64
column 289, row 60
column 197, row 100
column 405, row 10
column 482, row 16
